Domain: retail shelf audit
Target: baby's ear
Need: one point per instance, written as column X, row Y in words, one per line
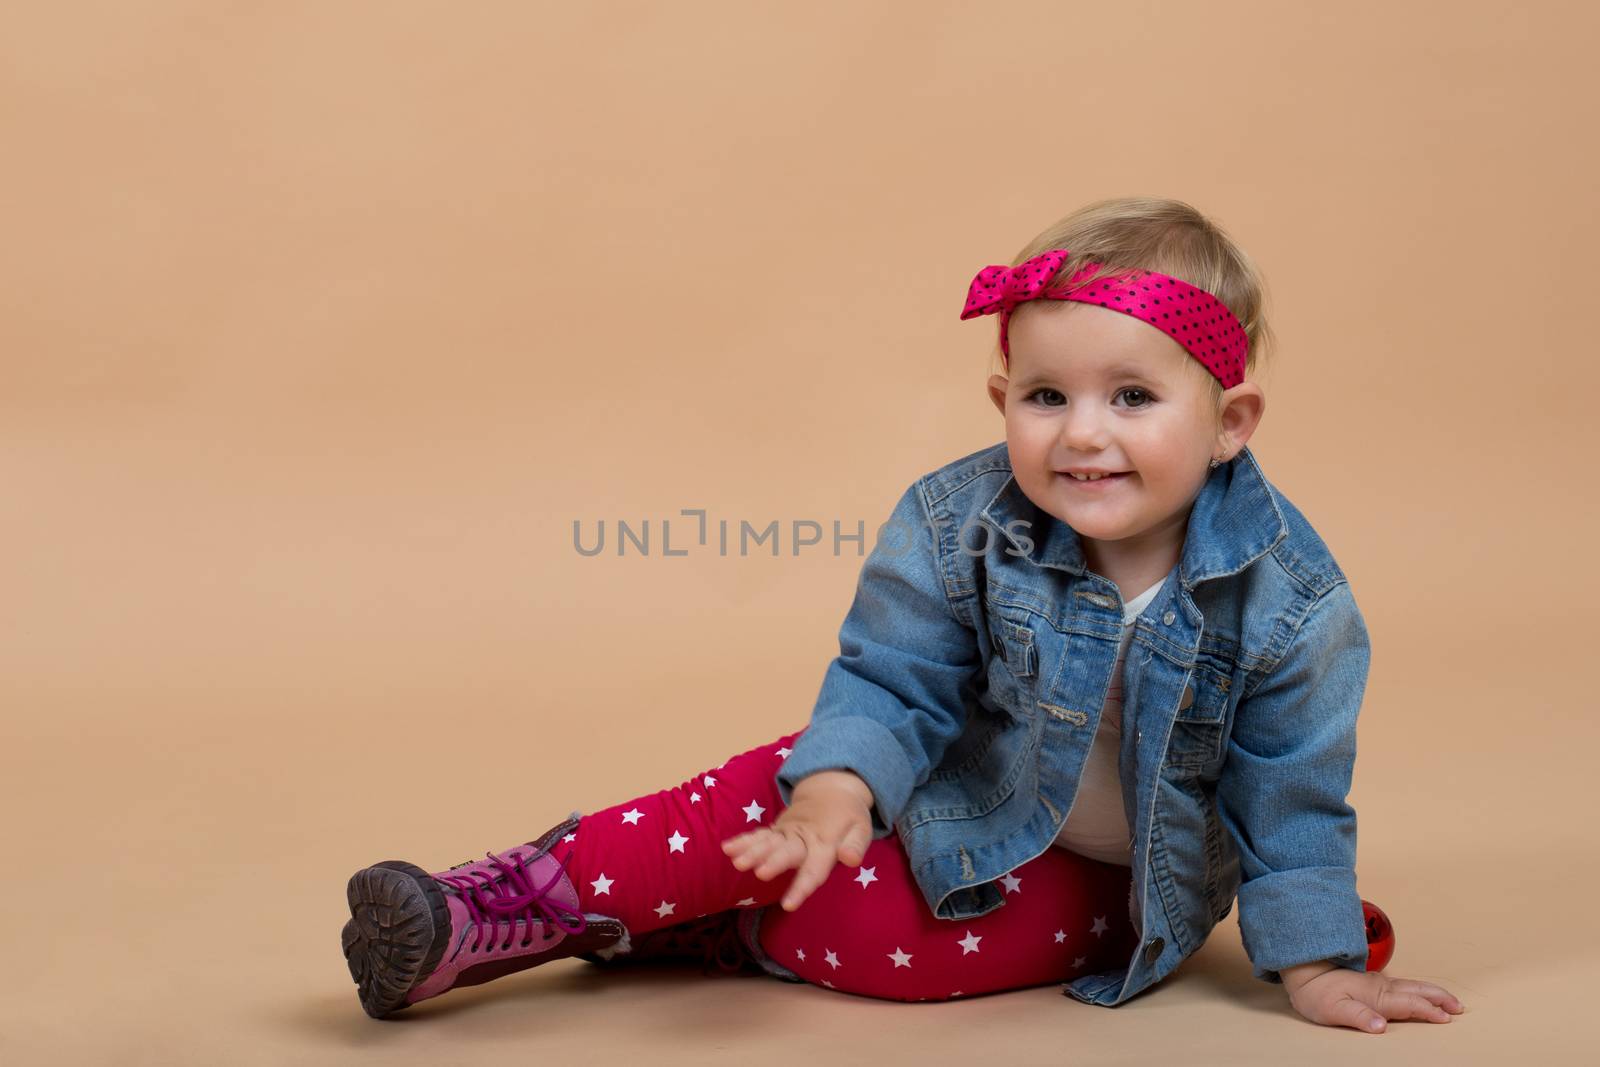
column 997, row 391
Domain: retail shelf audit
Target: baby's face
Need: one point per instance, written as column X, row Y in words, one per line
column 1093, row 388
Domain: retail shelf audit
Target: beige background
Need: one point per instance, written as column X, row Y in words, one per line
column 322, row 323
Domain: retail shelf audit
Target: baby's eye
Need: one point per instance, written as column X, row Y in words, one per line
column 1052, row 398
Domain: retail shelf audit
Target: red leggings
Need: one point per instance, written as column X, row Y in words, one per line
column 657, row 861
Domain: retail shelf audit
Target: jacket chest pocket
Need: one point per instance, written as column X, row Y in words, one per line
column 1013, row 643
column 1014, row 663
column 1199, row 729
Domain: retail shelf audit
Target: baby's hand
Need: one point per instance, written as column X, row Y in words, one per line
column 1365, row 1000
column 829, row 818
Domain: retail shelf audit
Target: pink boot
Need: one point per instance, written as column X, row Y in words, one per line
column 414, row 935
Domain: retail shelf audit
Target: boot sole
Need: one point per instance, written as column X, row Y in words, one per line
column 398, row 929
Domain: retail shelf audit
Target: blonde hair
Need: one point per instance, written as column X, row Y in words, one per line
column 1169, row 236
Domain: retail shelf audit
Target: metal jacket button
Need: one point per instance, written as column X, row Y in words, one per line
column 1168, row 617
column 1153, row 949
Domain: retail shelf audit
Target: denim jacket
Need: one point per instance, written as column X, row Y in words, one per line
column 973, row 665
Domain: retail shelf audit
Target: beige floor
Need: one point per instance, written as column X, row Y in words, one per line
column 177, row 896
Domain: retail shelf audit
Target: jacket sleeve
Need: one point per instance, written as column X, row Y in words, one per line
column 891, row 701
column 1281, row 795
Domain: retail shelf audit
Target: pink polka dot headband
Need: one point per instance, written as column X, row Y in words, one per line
column 1194, row 318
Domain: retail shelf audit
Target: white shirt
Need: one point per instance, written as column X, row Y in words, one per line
column 1096, row 826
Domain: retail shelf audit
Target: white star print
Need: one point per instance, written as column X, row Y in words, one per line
column 969, row 943
column 570, row 838
column 632, row 816
column 1061, row 935
column 1100, row 926
column 665, row 909
column 800, row 952
column 1079, row 962
column 1013, row 883
column 784, row 752
column 710, row 781
column 675, row 842
column 694, row 798
column 829, row 984
column 901, row 959
column 867, row 876
column 746, row 902
column 957, row 993
column 831, row 960
column 753, row 812
column 602, row 884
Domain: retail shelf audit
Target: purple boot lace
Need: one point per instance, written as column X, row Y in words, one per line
column 511, row 897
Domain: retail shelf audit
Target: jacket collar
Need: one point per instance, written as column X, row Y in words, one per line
column 1234, row 522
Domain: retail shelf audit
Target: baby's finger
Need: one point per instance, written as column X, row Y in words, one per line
column 786, row 852
column 1351, row 1012
column 753, row 849
column 1437, row 994
column 737, row 843
column 853, row 849
column 1414, row 1006
column 813, row 872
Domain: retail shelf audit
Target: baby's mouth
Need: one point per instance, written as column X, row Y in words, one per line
column 1094, row 480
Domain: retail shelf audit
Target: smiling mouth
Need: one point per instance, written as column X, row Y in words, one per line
column 1075, row 479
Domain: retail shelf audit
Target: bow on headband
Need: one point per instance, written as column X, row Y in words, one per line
column 1194, row 318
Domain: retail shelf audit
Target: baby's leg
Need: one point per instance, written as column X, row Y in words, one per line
column 869, row 931
column 657, row 860
column 581, row 888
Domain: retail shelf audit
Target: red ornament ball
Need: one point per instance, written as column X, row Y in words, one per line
column 1380, row 936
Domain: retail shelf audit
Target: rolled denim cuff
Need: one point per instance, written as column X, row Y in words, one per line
column 1303, row 915
column 863, row 746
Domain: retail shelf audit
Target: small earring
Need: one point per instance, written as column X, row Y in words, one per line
column 1215, row 463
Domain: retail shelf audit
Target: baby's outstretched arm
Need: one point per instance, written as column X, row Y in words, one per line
column 1281, row 795
column 890, row 704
